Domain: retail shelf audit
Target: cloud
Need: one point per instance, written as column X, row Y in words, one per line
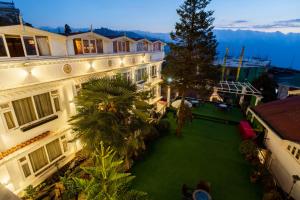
column 240, row 21
column 291, row 25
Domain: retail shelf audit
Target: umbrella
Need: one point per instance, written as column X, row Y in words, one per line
column 176, row 104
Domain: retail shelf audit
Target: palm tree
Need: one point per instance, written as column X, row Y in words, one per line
column 112, row 111
column 107, row 182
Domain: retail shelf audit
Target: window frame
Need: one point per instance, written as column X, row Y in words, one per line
column 26, row 161
column 22, row 42
column 5, row 46
column 9, row 109
column 35, row 44
column 49, row 45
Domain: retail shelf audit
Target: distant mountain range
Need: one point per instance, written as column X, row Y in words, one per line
column 282, row 49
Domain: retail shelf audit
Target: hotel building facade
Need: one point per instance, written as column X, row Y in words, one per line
column 40, row 76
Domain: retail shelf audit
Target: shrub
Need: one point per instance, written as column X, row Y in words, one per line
column 249, row 149
column 163, row 126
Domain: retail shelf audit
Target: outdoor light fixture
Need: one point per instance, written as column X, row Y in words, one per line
column 169, row 80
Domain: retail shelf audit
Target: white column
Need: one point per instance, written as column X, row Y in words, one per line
column 257, row 100
column 169, row 96
column 243, row 95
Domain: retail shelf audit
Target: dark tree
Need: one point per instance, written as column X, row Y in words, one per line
column 67, row 29
column 267, row 85
column 190, row 61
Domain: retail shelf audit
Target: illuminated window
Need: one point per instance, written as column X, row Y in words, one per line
column 29, row 45
column 2, row 48
column 15, row 47
column 77, row 46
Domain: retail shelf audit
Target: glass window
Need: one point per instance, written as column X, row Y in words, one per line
column 54, row 150
column 77, row 46
column 65, row 145
column 43, row 105
column 99, row 46
column 24, row 110
column 115, row 46
column 2, row 47
column 140, row 46
column 56, row 104
column 29, row 45
column 140, row 74
column 127, row 46
column 153, row 71
column 26, row 170
column 93, row 46
column 9, row 120
column 38, row 159
column 294, row 150
column 43, row 45
column 289, row 147
column 298, row 154
column 86, row 46
column 15, row 46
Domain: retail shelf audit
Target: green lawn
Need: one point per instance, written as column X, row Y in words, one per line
column 211, row 110
column 207, row 151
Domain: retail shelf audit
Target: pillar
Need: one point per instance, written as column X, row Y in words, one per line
column 169, row 96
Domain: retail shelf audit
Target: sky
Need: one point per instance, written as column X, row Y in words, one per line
column 160, row 15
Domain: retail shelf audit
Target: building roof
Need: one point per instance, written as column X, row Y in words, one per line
column 283, row 116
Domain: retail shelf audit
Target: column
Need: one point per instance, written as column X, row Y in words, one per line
column 169, row 96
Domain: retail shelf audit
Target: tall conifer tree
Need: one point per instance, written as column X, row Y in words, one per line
column 190, row 60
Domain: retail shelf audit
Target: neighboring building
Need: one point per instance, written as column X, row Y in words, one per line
column 250, row 70
column 280, row 122
column 9, row 15
column 40, row 75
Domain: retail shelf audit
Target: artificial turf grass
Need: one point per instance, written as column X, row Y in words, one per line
column 206, row 151
column 210, row 110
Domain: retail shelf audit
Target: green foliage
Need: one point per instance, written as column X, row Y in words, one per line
column 164, row 126
column 30, row 192
column 107, row 181
column 112, row 111
column 249, row 149
column 190, row 61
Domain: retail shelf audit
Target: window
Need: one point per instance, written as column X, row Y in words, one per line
column 38, row 159
column 43, row 105
column 2, row 48
column 86, row 46
column 115, row 46
column 99, row 44
column 92, row 46
column 298, row 154
column 153, row 71
column 77, row 46
column 24, row 110
column 15, row 47
column 157, row 46
column 25, row 166
column 289, row 147
column 121, row 46
column 29, row 45
column 43, row 45
column 126, row 76
column 140, row 46
column 9, row 120
column 140, row 75
column 64, row 143
column 56, row 104
column 294, row 150
column 53, row 150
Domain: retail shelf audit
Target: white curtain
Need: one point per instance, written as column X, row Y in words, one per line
column 43, row 45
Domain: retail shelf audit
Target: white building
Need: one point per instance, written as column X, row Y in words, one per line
column 40, row 74
column 281, row 125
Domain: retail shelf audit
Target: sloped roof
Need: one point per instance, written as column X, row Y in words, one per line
column 283, row 116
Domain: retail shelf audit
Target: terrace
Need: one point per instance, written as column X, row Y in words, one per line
column 208, row 150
